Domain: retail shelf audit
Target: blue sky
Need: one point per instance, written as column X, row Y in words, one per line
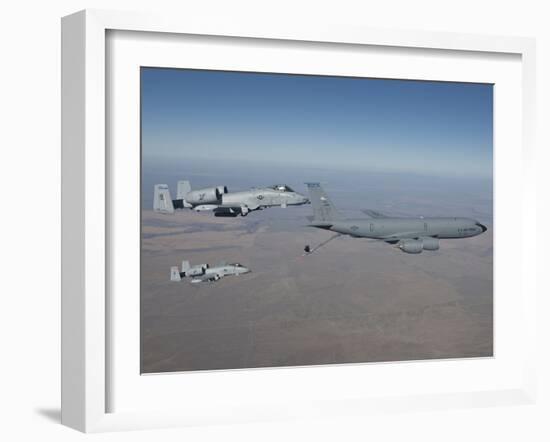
column 432, row 128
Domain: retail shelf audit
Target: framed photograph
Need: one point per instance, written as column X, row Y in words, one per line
column 264, row 222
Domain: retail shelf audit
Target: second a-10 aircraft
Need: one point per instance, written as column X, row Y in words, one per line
column 222, row 202
column 205, row 273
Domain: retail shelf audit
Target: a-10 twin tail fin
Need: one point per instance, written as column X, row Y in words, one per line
column 184, row 187
column 175, row 274
column 162, row 201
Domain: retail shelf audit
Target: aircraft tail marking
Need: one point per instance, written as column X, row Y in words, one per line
column 324, row 211
column 162, row 201
column 175, row 274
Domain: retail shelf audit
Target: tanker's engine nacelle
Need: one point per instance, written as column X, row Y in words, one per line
column 410, row 245
column 204, row 196
column 430, row 243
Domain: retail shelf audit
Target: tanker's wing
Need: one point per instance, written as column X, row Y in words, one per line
column 374, row 214
column 396, row 237
column 379, row 215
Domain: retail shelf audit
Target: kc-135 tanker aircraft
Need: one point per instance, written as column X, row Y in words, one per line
column 411, row 235
column 223, row 203
column 205, row 273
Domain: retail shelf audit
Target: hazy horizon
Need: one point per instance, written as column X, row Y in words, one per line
column 401, row 193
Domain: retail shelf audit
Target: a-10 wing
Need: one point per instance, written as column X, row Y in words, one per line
column 232, row 211
column 207, row 278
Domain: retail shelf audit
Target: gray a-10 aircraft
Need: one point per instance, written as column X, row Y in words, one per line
column 205, row 273
column 411, row 235
column 221, row 202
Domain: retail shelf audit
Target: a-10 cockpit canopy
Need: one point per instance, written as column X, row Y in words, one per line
column 281, row 188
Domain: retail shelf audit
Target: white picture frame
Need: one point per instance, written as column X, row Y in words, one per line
column 85, row 313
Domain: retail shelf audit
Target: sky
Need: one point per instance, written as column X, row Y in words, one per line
column 338, row 123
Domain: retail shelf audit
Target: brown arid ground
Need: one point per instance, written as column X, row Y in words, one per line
column 352, row 301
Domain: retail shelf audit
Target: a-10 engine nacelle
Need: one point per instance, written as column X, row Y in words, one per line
column 205, row 196
column 197, row 270
column 417, row 245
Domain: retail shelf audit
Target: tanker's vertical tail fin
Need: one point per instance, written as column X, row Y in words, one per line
column 184, row 187
column 324, row 212
column 175, row 274
column 162, row 201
